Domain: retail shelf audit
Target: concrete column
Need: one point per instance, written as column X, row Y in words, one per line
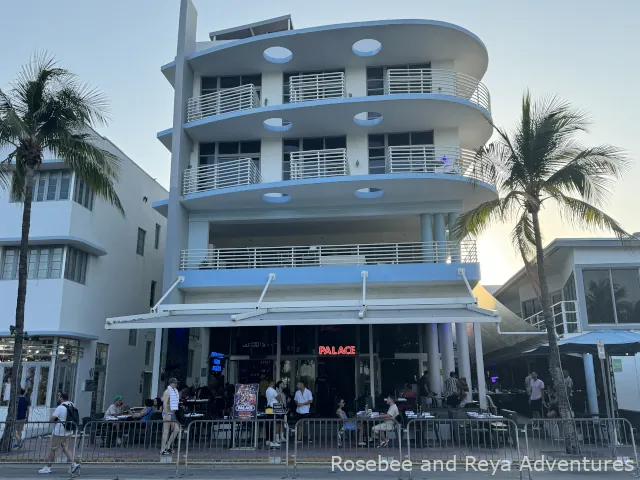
column 454, row 250
column 590, row 380
column 198, row 242
column 155, row 375
column 426, row 229
column 482, row 387
column 464, row 363
column 371, row 368
column 439, row 237
column 278, row 351
column 433, row 356
column 446, row 348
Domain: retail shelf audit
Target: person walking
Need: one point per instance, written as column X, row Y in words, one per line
column 61, row 434
column 170, row 427
column 22, row 416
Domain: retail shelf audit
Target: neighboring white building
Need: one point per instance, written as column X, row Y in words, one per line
column 87, row 263
column 594, row 285
column 315, row 175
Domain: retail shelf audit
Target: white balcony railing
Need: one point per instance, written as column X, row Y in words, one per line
column 565, row 315
column 444, row 82
column 304, row 88
column 319, row 163
column 222, row 101
column 224, row 174
column 329, row 255
column 434, row 159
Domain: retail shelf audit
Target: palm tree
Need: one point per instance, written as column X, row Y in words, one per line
column 48, row 110
column 542, row 162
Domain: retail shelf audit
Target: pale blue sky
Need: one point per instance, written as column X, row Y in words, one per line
column 585, row 51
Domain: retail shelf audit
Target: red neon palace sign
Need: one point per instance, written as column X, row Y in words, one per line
column 346, row 350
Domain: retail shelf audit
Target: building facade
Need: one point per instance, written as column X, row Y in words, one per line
column 315, row 176
column 594, row 284
column 86, row 263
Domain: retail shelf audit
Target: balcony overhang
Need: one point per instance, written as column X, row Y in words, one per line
column 79, row 243
column 305, row 313
column 335, row 116
column 405, row 41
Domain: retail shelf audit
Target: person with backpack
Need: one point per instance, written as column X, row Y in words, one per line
column 66, row 419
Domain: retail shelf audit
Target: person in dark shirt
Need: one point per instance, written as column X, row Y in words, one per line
column 22, row 416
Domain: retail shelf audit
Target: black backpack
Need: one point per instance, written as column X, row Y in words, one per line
column 73, row 417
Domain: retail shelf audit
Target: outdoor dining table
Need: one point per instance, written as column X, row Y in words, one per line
column 196, row 403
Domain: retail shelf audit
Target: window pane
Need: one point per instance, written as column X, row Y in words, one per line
column 422, row 138
column 597, row 292
column 376, row 72
column 43, row 263
column 376, row 141
column 56, row 263
column 8, row 265
column 156, row 242
column 229, row 82
column 335, row 142
column 398, row 139
column 64, row 186
column 626, row 291
column 207, row 149
column 312, row 144
column 33, row 263
column 291, row 145
column 227, row 148
column 85, row 265
column 41, row 186
column 133, row 337
column 71, row 263
column 209, row 84
column 252, row 79
column 250, row 147
column 52, row 186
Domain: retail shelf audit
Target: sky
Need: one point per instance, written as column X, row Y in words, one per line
column 584, row 51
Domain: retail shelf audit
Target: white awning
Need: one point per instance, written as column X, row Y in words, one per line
column 312, row 313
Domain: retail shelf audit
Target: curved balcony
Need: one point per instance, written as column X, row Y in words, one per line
column 435, row 81
column 223, row 101
column 329, row 255
column 306, row 88
column 224, row 174
column 319, row 163
column 434, row 159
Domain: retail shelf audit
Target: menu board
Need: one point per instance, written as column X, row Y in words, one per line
column 245, row 401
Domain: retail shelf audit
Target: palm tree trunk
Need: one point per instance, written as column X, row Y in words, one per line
column 8, row 435
column 555, row 364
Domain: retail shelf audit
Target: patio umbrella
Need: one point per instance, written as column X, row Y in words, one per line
column 616, row 343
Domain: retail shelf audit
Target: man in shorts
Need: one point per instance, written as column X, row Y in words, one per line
column 170, row 427
column 389, row 424
column 60, row 436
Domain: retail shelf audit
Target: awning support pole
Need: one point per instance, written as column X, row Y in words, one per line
column 258, row 311
column 364, row 274
column 463, row 274
column 166, row 294
column 272, row 277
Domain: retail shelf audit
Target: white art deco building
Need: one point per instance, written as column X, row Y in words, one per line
column 315, row 175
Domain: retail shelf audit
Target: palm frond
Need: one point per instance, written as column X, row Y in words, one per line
column 589, row 173
column 586, row 216
column 523, row 238
column 476, row 221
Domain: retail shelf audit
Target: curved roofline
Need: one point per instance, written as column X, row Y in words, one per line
column 321, row 28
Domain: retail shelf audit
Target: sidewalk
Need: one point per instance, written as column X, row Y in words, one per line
column 127, row 472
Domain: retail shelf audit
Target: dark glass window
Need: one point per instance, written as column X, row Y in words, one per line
column 422, row 138
column 626, row 293
column 597, row 291
column 228, row 148
column 312, row 143
column 395, row 139
column 375, row 81
column 229, row 82
column 376, row 154
column 335, row 142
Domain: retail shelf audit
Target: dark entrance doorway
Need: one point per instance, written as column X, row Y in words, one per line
column 336, row 379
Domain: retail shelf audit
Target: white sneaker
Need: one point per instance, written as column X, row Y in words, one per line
column 74, row 467
column 281, row 439
column 45, row 469
column 274, row 445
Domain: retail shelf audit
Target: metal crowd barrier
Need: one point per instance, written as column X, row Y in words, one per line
column 35, row 443
column 129, row 442
column 334, row 441
column 461, row 444
column 605, row 444
column 234, row 441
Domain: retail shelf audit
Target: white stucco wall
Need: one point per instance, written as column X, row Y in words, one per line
column 271, row 159
column 356, row 81
column 271, row 88
column 358, row 154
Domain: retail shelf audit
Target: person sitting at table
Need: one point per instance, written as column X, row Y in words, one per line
column 389, row 423
column 157, row 404
column 348, row 426
column 552, row 403
column 463, row 390
column 144, row 415
column 116, row 408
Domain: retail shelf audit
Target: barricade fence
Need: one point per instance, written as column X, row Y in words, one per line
column 31, row 442
column 232, row 442
column 605, row 444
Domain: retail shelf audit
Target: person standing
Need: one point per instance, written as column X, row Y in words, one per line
column 22, row 416
column 303, row 399
column 451, row 390
column 463, row 391
column 170, row 427
column 426, row 396
column 61, row 434
column 273, row 397
column 536, row 395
